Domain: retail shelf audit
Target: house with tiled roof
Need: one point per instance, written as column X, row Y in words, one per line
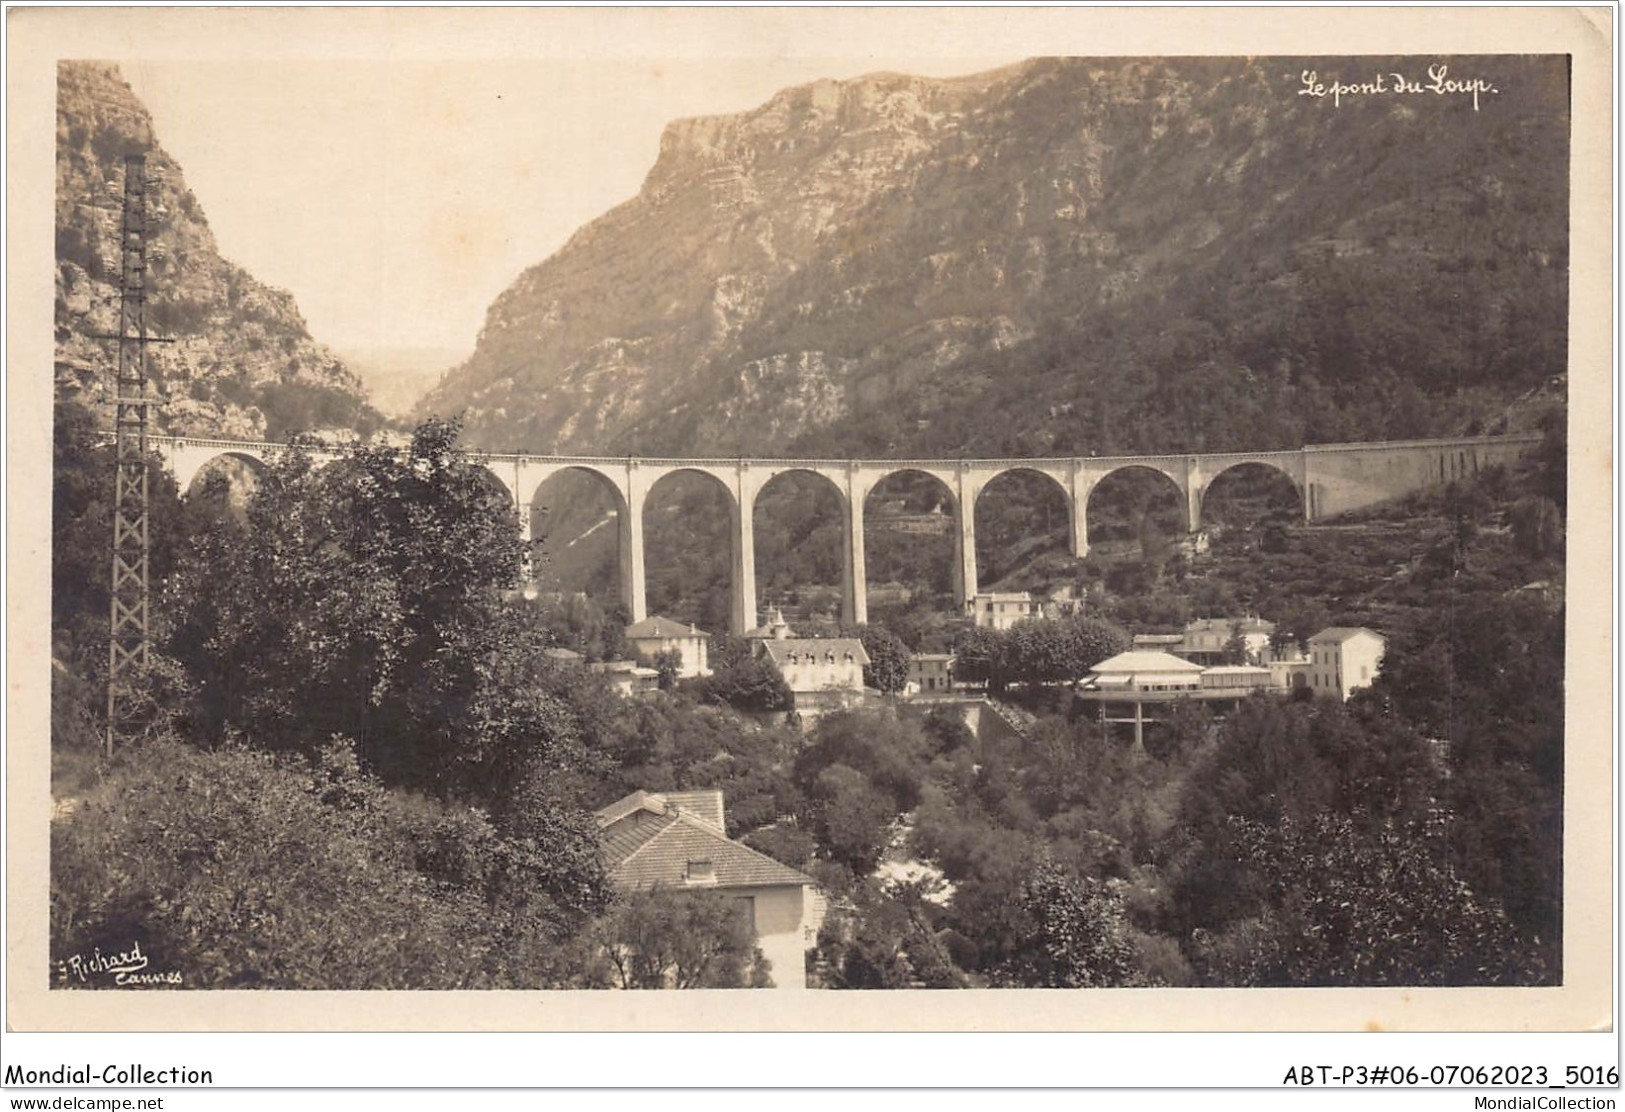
column 811, row 664
column 678, row 840
column 823, row 673
column 653, row 636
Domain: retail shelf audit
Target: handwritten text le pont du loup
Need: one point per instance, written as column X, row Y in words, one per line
column 1439, row 82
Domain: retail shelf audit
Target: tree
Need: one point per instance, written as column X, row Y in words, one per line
column 1075, row 934
column 362, row 598
column 888, row 659
column 668, row 664
column 1095, row 640
column 1038, row 651
column 851, row 817
column 1537, row 526
column 979, row 657
column 1235, row 647
column 661, row 938
column 368, row 599
column 747, row 684
column 82, row 530
column 1347, row 906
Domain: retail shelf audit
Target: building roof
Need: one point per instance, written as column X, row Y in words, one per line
column 932, row 656
column 657, row 626
column 1005, row 596
column 1344, row 633
column 704, row 805
column 628, row 804
column 781, row 650
column 1142, row 661
column 566, row 656
column 1247, row 624
column 774, row 627
column 1235, row 670
column 622, row 667
column 658, row 850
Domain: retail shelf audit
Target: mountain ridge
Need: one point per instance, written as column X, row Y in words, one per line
column 241, row 361
column 870, row 266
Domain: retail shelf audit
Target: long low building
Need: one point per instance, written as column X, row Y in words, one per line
column 1123, row 686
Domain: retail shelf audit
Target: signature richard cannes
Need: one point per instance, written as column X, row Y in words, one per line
column 1438, row 83
column 128, row 968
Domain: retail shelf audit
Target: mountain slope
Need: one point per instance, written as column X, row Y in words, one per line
column 1112, row 254
column 242, row 363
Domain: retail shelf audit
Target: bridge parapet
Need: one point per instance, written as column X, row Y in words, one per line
column 1448, row 442
column 1166, row 459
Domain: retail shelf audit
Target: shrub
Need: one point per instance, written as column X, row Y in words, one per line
column 238, row 870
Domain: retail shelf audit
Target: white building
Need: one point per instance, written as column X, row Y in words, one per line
column 1206, row 638
column 653, row 636
column 1343, row 659
column 929, row 673
column 1002, row 610
column 813, row 664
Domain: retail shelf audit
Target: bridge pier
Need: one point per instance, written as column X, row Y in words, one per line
column 854, row 570
column 967, row 487
column 633, row 591
column 1193, row 495
column 1077, row 505
column 744, row 554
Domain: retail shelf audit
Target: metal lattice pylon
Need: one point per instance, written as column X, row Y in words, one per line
column 128, row 644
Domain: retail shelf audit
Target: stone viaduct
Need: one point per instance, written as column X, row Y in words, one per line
column 1329, row 479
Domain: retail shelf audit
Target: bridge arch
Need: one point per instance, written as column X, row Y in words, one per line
column 196, row 468
column 1271, row 471
column 800, row 526
column 679, row 502
column 1136, row 495
column 912, row 525
column 1034, row 498
column 186, row 460
column 563, row 513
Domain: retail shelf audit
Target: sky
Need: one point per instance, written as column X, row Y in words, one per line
column 397, row 199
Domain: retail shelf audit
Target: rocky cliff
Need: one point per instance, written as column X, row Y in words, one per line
column 242, row 363
column 1111, row 254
